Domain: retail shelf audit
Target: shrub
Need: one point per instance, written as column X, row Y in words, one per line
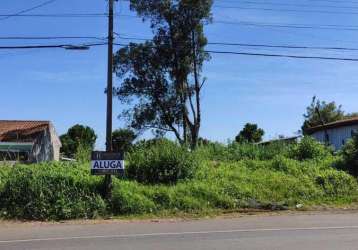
column 51, row 192
column 349, row 157
column 83, row 154
column 161, row 162
column 336, row 183
column 4, row 172
column 309, row 148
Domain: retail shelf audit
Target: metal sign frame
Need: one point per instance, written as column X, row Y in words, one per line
column 105, row 163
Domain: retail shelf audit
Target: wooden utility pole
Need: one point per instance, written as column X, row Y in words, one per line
column 109, row 148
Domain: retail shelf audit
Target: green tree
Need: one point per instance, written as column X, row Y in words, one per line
column 251, row 133
column 320, row 113
column 349, row 155
column 162, row 77
column 77, row 137
column 122, row 140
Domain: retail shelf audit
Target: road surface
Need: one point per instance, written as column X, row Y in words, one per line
column 297, row 231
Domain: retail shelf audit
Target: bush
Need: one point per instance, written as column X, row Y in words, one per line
column 168, row 178
column 83, row 154
column 349, row 157
column 4, row 172
column 51, row 192
column 309, row 148
column 161, row 162
column 336, row 183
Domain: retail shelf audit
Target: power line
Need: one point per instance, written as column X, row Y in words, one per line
column 257, row 24
column 69, row 15
column 273, row 55
column 28, row 10
column 283, row 56
column 209, row 43
column 260, row 45
column 287, row 4
column 49, row 37
column 290, row 26
column 52, row 46
column 288, row 10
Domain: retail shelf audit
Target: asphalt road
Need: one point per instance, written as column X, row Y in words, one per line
column 300, row 231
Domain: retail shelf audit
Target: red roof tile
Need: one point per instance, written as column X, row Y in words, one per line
column 21, row 127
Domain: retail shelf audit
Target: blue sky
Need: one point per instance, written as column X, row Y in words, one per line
column 67, row 87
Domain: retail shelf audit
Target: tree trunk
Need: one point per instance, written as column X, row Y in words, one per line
column 197, row 120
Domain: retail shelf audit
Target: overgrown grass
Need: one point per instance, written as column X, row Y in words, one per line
column 274, row 184
column 50, row 192
column 169, row 179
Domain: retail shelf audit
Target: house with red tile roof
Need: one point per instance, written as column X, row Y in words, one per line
column 28, row 141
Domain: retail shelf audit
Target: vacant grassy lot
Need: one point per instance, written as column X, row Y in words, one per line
column 163, row 177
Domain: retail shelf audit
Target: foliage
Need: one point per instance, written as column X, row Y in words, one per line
column 163, row 177
column 251, row 133
column 349, row 154
column 237, row 152
column 75, row 137
column 4, row 172
column 83, row 154
column 161, row 162
column 309, row 148
column 122, row 140
column 274, row 184
column 162, row 77
column 130, row 198
column 321, row 112
column 51, row 192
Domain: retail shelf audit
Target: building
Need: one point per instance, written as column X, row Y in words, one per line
column 336, row 133
column 28, row 141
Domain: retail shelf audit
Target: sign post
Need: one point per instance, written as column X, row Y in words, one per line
column 107, row 163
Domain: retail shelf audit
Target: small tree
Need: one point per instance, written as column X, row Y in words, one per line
column 75, row 137
column 250, row 134
column 349, row 155
column 320, row 113
column 122, row 140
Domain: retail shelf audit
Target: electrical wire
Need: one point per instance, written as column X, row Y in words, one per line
column 288, row 10
column 289, row 4
column 259, row 45
column 49, row 37
column 28, row 10
column 289, row 26
column 273, row 55
column 53, row 46
column 69, row 15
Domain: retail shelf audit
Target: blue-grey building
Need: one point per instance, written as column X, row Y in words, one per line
column 336, row 133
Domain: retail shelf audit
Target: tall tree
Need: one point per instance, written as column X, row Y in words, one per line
column 321, row 112
column 162, row 77
column 251, row 133
column 76, row 137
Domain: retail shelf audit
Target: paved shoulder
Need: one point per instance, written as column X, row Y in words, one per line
column 318, row 231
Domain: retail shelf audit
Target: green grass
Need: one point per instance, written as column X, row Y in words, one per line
column 222, row 178
column 50, row 192
column 271, row 184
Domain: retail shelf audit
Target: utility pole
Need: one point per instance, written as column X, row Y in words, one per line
column 109, row 148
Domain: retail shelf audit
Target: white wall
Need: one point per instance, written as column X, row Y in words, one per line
column 337, row 136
